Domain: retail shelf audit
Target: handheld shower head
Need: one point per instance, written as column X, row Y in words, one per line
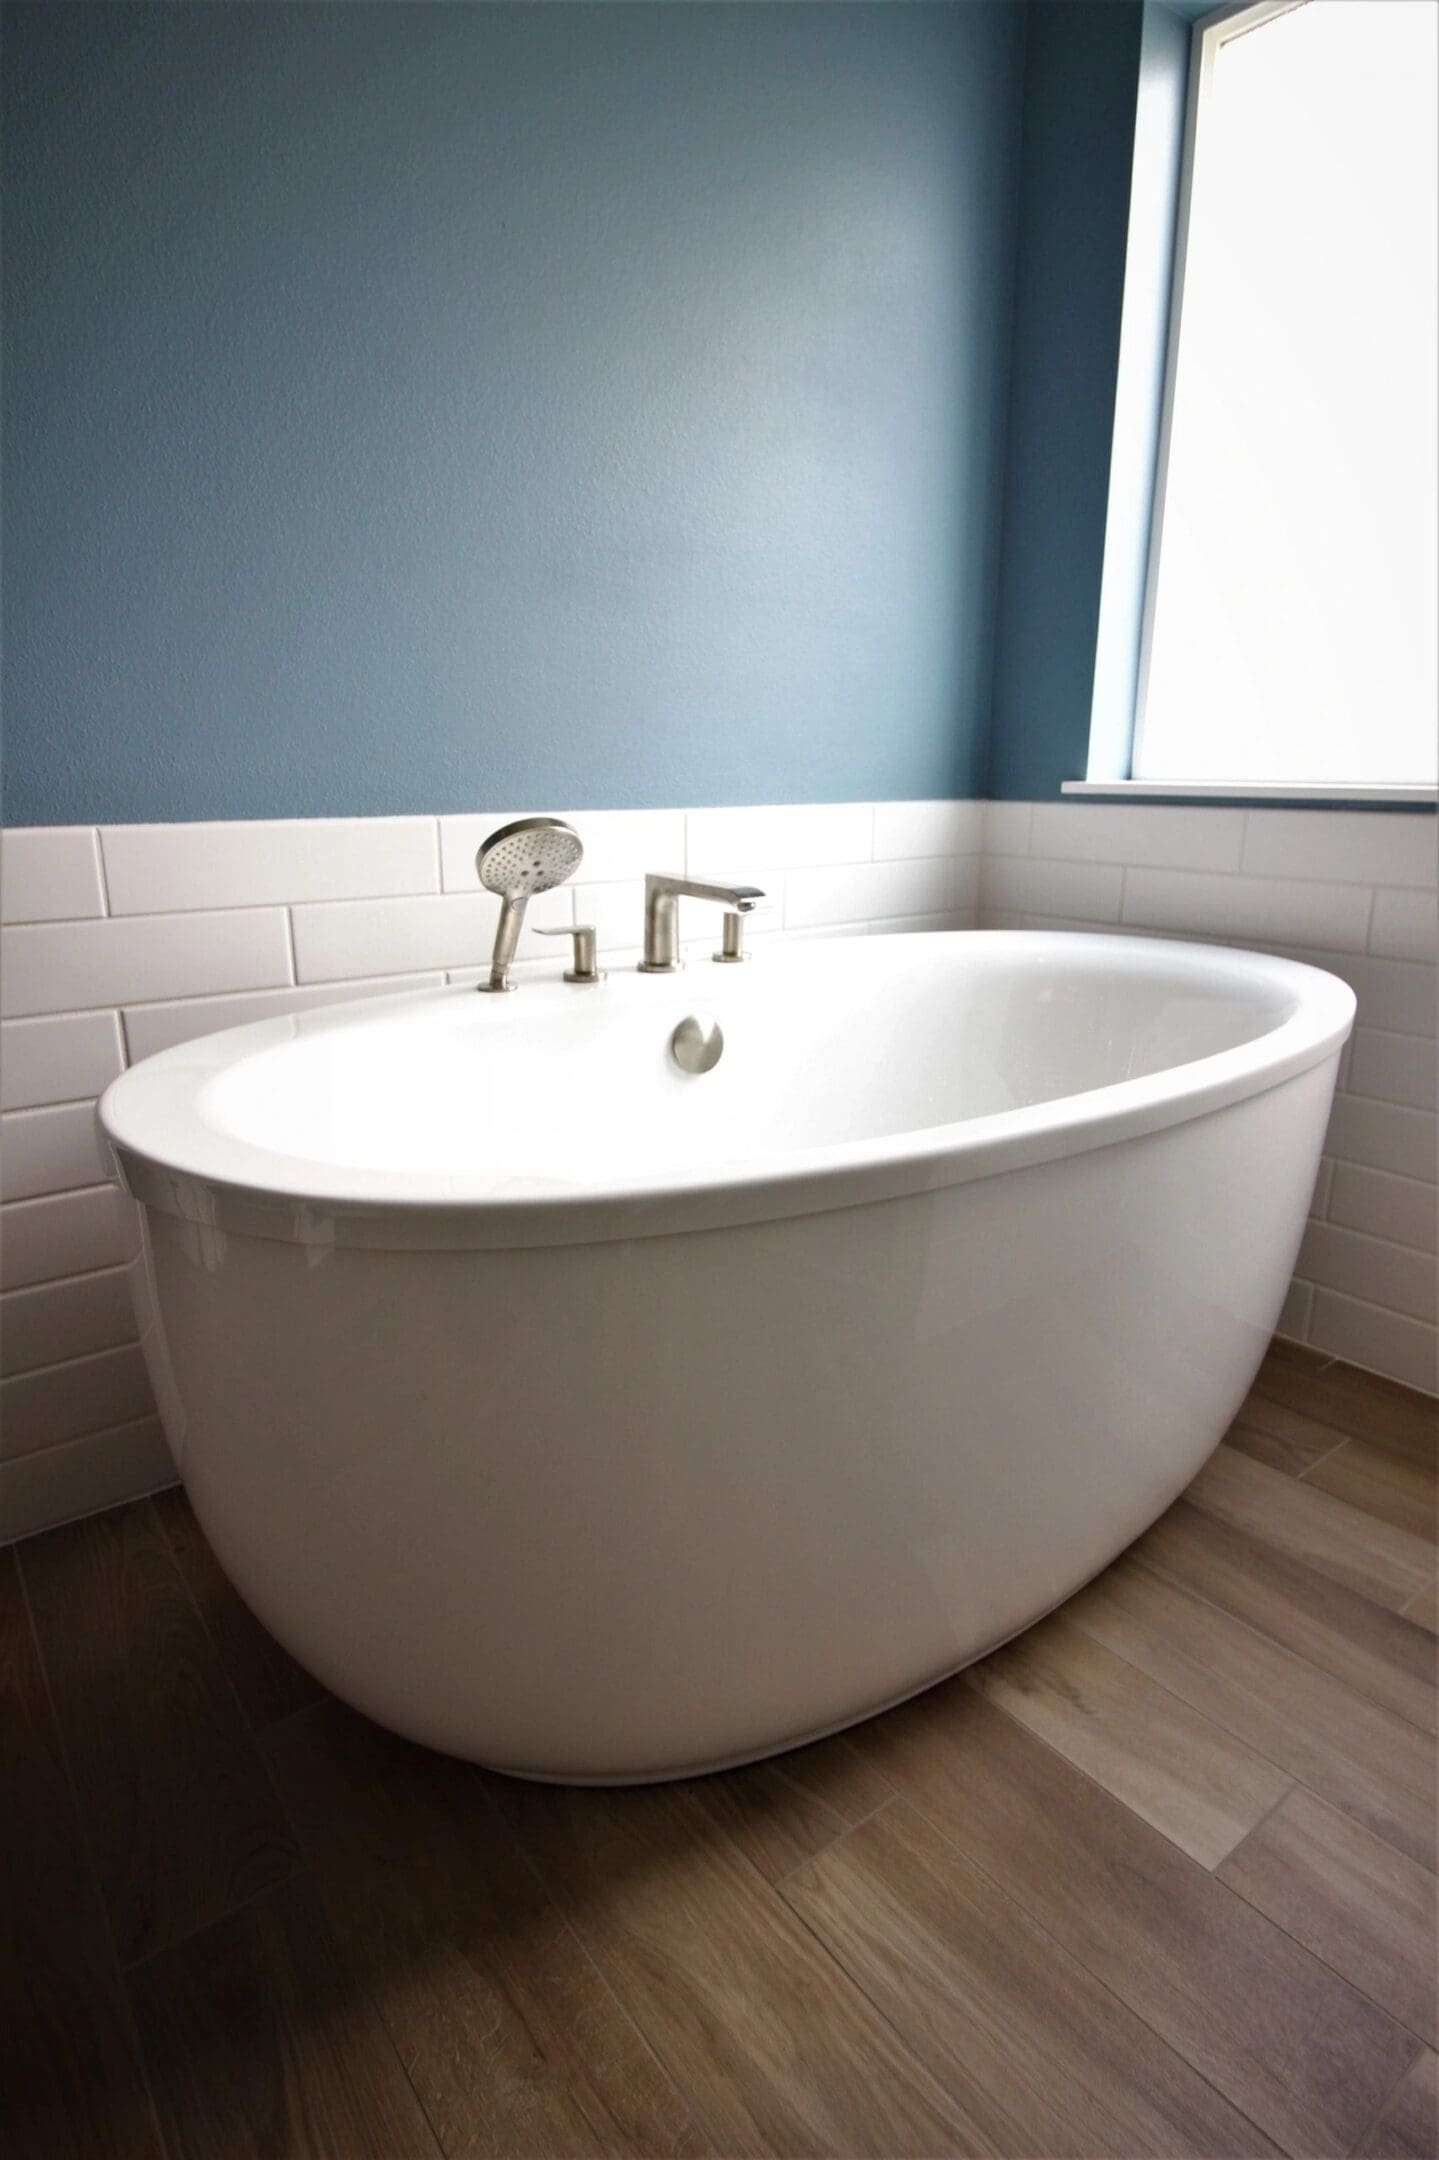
column 532, row 855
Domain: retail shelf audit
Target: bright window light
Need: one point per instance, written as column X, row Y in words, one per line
column 1291, row 620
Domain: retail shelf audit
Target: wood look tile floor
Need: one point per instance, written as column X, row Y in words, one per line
column 1157, row 1878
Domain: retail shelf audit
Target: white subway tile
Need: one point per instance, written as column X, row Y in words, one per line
column 1398, row 995
column 1027, row 885
column 927, row 828
column 1397, row 1277
column 618, row 913
column 67, row 1057
column 460, row 838
column 1006, row 827
column 819, row 899
column 60, row 1402
column 1360, row 847
column 897, row 925
column 866, row 892
column 151, row 1028
column 1383, row 1136
column 156, row 869
column 1382, row 1205
column 1075, row 925
column 627, row 843
column 726, row 843
column 830, row 930
column 61, row 1320
column 1385, row 1342
column 79, row 1477
column 1293, row 1321
column 1405, row 924
column 1144, row 833
column 50, row 1151
column 49, row 873
column 1323, row 1186
column 617, row 843
column 964, row 876
column 1394, row 1068
column 1333, row 916
column 393, row 937
column 66, row 1234
column 69, row 967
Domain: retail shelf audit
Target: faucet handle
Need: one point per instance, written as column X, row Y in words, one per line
column 732, row 939
column 585, row 969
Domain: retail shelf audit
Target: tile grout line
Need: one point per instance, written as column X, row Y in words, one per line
column 1036, row 1920
column 104, row 868
column 106, row 1507
column 560, row 1907
column 1319, row 1956
column 1294, row 1777
column 822, row 1851
column 300, row 1871
column 1176, row 1582
column 106, row 1267
column 89, row 1861
column 81, row 1357
column 826, row 1950
column 301, row 1865
column 1256, row 1826
column 1385, row 2103
column 303, row 1870
column 1342, row 1442
column 1295, row 1784
column 1173, row 1582
column 1159, row 1685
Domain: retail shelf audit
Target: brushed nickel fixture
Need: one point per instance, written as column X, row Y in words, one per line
column 731, row 939
column 530, row 856
column 585, row 968
column 697, row 1044
column 663, row 893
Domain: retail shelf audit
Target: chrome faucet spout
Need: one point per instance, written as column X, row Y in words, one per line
column 663, row 893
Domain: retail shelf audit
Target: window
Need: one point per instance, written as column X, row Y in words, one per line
column 1290, row 617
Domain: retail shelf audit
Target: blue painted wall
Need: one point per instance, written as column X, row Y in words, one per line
column 420, row 406
column 1076, row 156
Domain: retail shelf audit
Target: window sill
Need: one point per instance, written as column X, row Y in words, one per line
column 1251, row 791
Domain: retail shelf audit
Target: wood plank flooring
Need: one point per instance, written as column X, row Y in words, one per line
column 1155, row 1879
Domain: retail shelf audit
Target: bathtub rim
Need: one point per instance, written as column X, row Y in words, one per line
column 153, row 1168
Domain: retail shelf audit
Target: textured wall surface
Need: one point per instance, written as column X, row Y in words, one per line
column 1350, row 891
column 1081, row 80
column 122, row 941
column 412, row 407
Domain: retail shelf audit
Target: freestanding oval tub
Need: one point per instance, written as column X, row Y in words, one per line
column 603, row 1422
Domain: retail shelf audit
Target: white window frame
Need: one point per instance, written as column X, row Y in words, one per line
column 1209, row 33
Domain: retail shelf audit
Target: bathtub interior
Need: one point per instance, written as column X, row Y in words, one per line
column 563, row 1087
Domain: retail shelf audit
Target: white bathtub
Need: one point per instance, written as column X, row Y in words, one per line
column 600, row 1422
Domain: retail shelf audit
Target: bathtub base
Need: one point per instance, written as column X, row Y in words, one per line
column 670, row 1775
column 637, row 1510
